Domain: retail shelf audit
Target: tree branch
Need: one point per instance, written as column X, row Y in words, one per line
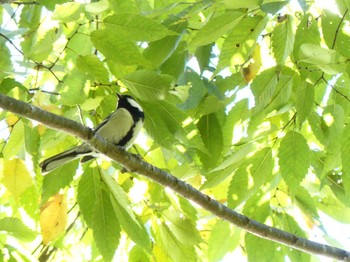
column 134, row 164
column 18, row 2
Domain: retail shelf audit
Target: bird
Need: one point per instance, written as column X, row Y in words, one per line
column 121, row 128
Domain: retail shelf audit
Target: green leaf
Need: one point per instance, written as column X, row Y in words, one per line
column 211, row 133
column 124, row 6
column 93, row 103
column 107, row 105
column 196, row 92
column 57, row 179
column 5, row 60
column 259, row 169
column 334, row 180
column 228, row 166
column 259, row 249
column 172, row 247
column 333, row 207
column 238, row 187
column 335, row 125
column 261, row 211
column 183, row 229
column 294, row 157
column 263, row 88
column 283, row 40
column 68, row 12
column 304, row 102
column 8, row 84
column 54, row 142
column 30, row 16
column 318, row 126
column 97, row 8
column 73, row 89
column 334, row 32
column 159, row 51
column 306, row 202
column 343, row 92
column 282, row 93
column 115, row 48
column 315, row 54
column 240, row 42
column 32, row 142
column 330, row 23
column 135, row 230
column 342, row 5
column 211, row 104
column 343, row 42
column 31, row 207
column 307, row 32
column 105, row 224
column 80, row 44
column 44, row 47
column 273, row 6
column 216, row 27
column 86, row 198
column 15, row 143
column 222, row 240
column 94, row 200
column 175, row 65
column 330, row 61
column 203, row 55
column 92, row 66
column 136, row 27
column 238, row 112
column 16, row 228
column 137, row 254
column 345, row 157
column 164, row 122
column 188, row 208
column 251, row 4
column 147, row 85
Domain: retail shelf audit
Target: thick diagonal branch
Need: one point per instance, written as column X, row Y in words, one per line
column 134, row 164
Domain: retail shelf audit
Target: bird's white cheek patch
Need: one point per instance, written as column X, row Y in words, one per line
column 135, row 104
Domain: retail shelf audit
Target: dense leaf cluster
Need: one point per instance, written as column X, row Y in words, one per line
column 247, row 100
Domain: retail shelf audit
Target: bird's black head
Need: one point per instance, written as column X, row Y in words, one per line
column 130, row 104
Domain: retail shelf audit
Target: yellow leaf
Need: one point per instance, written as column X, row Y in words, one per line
column 53, row 218
column 16, row 177
column 253, row 68
column 159, row 254
column 11, row 119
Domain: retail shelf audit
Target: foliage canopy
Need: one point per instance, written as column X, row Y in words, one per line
column 247, row 100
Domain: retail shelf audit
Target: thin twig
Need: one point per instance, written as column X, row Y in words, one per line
column 336, row 90
column 10, row 41
column 338, row 27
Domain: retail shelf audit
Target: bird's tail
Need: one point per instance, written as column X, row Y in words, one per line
column 64, row 157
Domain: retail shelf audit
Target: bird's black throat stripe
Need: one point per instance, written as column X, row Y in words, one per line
column 127, row 137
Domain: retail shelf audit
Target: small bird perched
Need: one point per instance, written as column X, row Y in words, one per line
column 121, row 128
